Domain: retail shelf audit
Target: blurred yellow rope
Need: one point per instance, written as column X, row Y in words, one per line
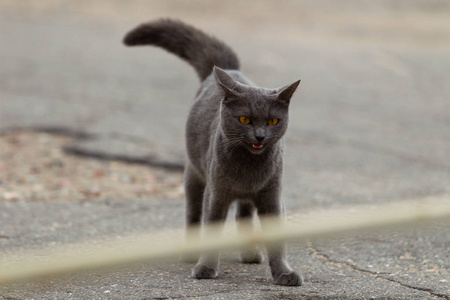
column 47, row 263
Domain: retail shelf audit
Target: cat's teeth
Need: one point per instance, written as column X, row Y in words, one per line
column 257, row 146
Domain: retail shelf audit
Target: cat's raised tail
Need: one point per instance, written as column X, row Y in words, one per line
column 200, row 50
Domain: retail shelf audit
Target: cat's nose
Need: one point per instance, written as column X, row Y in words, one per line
column 260, row 138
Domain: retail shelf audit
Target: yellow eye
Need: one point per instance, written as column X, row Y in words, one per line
column 273, row 122
column 244, row 120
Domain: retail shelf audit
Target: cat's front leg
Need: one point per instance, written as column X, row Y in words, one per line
column 269, row 204
column 215, row 209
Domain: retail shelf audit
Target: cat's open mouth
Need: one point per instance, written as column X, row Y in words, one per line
column 257, row 145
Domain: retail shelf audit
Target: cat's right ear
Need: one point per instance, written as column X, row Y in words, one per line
column 284, row 94
column 225, row 81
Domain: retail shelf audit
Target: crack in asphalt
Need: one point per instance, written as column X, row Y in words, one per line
column 377, row 275
column 428, row 290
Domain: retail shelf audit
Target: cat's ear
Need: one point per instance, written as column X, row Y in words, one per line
column 284, row 94
column 228, row 84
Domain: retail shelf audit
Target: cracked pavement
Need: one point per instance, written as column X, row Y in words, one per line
column 369, row 124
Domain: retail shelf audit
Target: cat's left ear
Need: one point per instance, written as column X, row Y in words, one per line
column 284, row 94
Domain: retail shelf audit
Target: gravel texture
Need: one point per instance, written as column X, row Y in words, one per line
column 35, row 167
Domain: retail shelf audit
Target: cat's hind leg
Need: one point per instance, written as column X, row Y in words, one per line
column 194, row 190
column 244, row 214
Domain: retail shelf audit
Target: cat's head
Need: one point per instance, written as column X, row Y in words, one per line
column 253, row 117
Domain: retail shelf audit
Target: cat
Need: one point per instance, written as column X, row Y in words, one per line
column 234, row 141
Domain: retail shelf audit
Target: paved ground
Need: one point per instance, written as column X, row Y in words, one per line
column 369, row 124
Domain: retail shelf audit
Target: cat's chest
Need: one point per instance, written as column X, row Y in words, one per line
column 243, row 176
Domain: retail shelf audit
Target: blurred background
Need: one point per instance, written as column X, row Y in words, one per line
column 370, row 122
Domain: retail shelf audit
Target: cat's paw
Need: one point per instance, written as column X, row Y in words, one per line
column 204, row 272
column 251, row 256
column 290, row 279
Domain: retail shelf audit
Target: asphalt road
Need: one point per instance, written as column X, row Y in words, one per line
column 369, row 124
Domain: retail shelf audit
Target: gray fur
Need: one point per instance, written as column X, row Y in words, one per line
column 223, row 166
column 200, row 50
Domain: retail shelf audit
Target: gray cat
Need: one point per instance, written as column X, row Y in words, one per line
column 233, row 136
